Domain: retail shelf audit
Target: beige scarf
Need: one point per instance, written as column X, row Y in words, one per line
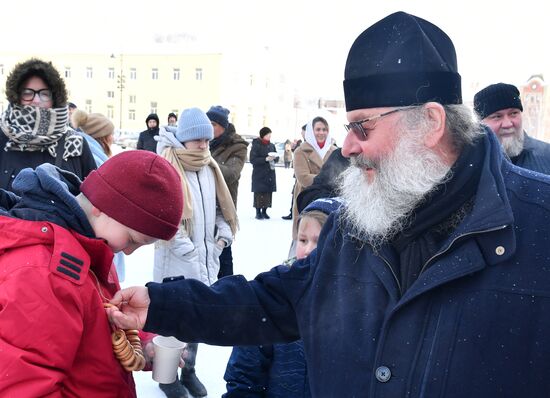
column 193, row 160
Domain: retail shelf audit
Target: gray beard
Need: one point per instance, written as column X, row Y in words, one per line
column 514, row 145
column 378, row 210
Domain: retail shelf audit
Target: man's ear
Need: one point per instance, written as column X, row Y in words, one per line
column 436, row 116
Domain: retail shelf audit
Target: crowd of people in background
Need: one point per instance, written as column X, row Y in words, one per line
column 433, row 230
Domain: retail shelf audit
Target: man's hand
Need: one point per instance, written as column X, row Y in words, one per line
column 132, row 306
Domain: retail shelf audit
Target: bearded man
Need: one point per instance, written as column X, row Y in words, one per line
column 432, row 282
column 499, row 107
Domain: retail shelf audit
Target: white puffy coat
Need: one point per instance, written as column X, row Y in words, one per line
column 195, row 256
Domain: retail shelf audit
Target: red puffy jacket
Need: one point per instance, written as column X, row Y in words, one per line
column 55, row 338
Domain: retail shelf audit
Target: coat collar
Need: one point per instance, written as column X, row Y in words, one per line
column 72, row 254
column 489, row 227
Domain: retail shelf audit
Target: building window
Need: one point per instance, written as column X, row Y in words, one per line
column 110, row 94
column 110, row 112
column 154, row 74
column 89, row 72
column 153, row 107
column 198, row 74
column 132, row 99
column 176, row 74
column 132, row 114
column 88, row 106
column 67, row 72
column 111, row 73
column 133, row 73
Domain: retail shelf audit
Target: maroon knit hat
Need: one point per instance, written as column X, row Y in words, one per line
column 140, row 190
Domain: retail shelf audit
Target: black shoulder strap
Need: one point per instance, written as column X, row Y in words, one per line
column 60, row 150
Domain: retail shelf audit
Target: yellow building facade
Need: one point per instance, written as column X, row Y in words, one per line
column 127, row 88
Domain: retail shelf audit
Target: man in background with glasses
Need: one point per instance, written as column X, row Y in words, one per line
column 35, row 125
column 433, row 280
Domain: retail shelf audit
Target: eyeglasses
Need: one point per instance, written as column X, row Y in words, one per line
column 361, row 127
column 28, row 94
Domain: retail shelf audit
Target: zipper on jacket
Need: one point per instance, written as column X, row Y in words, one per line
column 204, row 223
column 438, row 254
column 455, row 239
column 394, row 275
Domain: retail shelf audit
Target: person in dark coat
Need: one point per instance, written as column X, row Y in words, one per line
column 264, row 181
column 499, row 107
column 325, row 184
column 35, row 125
column 146, row 138
column 279, row 370
column 431, row 281
column 228, row 149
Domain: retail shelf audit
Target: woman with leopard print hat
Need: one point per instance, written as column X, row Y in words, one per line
column 34, row 127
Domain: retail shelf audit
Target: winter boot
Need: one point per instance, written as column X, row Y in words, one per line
column 190, row 380
column 259, row 214
column 174, row 390
column 289, row 217
column 264, row 213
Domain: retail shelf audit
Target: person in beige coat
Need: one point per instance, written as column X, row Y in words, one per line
column 308, row 159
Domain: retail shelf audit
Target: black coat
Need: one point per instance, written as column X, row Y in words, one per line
column 263, row 178
column 147, row 141
column 534, row 156
column 474, row 324
column 12, row 162
column 325, row 184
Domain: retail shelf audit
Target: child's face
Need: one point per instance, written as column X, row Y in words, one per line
column 119, row 237
column 308, row 234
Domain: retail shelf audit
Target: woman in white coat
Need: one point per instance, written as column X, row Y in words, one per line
column 209, row 219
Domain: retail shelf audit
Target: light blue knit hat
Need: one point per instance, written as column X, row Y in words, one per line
column 194, row 125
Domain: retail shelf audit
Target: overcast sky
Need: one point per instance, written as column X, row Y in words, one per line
column 495, row 41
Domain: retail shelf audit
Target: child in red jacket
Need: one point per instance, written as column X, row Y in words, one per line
column 58, row 239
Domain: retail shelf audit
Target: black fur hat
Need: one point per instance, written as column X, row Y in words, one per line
column 44, row 70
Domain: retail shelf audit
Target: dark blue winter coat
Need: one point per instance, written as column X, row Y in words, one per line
column 269, row 371
column 263, row 176
column 534, row 156
column 476, row 322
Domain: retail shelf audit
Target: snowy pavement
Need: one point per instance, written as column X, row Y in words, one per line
column 259, row 245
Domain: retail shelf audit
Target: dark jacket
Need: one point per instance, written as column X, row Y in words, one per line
column 270, row 371
column 476, row 322
column 534, row 156
column 12, row 162
column 325, row 184
column 263, row 177
column 146, row 138
column 229, row 151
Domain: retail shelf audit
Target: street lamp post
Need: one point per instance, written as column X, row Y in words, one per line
column 120, row 86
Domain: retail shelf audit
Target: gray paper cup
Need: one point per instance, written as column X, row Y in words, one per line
column 167, row 358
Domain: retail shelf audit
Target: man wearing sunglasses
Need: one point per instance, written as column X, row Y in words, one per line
column 433, row 281
column 34, row 126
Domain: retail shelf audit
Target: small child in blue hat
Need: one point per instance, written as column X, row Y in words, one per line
column 279, row 370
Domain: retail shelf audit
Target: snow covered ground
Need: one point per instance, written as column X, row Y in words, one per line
column 259, row 245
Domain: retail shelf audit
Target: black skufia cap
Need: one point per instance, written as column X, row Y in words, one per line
column 401, row 60
column 496, row 97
